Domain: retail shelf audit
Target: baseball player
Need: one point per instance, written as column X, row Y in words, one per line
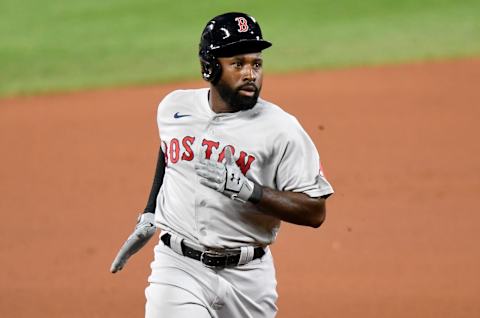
column 231, row 167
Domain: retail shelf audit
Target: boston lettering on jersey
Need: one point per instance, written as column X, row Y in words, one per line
column 178, row 150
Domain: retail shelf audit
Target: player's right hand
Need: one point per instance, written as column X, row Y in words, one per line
column 144, row 230
column 225, row 177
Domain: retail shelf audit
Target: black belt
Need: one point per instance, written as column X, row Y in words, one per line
column 212, row 258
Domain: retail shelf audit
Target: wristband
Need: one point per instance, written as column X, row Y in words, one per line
column 257, row 194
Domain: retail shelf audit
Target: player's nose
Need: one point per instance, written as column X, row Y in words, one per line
column 249, row 73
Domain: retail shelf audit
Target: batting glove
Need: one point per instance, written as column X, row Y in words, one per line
column 227, row 178
column 144, row 230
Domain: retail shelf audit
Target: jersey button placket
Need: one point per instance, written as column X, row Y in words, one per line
column 200, row 201
column 213, row 122
column 201, row 226
column 202, row 216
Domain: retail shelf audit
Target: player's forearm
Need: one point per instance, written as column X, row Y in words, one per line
column 293, row 207
column 157, row 183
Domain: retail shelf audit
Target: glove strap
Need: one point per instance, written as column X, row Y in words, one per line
column 250, row 191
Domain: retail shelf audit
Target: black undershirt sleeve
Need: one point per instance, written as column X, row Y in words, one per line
column 157, row 183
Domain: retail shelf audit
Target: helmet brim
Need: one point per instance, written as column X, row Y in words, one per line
column 243, row 46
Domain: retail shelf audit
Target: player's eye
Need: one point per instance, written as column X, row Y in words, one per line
column 237, row 64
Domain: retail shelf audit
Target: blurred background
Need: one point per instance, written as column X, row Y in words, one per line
column 64, row 45
column 388, row 91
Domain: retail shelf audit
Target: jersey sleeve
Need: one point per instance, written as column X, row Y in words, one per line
column 299, row 169
column 164, row 109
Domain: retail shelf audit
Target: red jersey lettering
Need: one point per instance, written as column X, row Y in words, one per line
column 245, row 165
column 210, row 144
column 187, row 142
column 165, row 152
column 174, row 150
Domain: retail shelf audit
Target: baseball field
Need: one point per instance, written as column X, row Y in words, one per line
column 388, row 91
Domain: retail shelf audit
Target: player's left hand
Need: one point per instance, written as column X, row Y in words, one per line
column 225, row 177
column 144, row 230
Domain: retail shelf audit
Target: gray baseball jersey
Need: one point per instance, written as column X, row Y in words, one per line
column 270, row 147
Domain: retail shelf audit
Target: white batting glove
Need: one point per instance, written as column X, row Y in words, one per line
column 227, row 178
column 144, row 230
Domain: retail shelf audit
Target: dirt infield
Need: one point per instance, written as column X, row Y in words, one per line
column 399, row 144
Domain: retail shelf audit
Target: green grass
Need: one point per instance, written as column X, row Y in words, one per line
column 55, row 45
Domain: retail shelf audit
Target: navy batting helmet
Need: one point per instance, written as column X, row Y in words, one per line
column 227, row 35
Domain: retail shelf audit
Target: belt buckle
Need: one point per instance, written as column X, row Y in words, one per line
column 212, row 254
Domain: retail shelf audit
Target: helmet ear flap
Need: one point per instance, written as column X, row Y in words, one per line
column 211, row 69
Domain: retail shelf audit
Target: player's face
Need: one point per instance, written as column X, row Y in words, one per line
column 241, row 80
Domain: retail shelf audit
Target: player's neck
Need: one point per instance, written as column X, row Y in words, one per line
column 217, row 103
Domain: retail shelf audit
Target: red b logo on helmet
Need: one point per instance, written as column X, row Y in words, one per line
column 242, row 24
